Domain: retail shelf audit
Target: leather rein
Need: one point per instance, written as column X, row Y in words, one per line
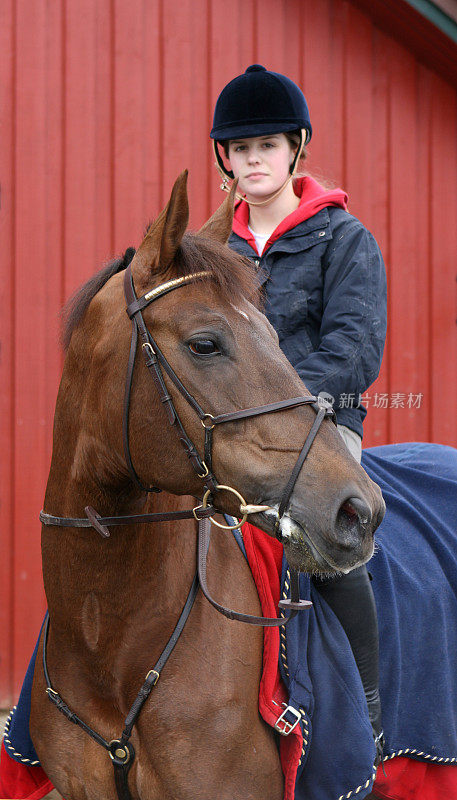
column 121, row 750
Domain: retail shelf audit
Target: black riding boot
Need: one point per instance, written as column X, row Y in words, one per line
column 351, row 598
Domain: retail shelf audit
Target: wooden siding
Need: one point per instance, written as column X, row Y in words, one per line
column 102, row 104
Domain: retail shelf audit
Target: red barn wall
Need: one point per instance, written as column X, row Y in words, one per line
column 102, row 104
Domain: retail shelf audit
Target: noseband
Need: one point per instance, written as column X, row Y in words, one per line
column 121, row 750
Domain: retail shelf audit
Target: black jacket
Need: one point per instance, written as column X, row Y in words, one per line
column 326, row 296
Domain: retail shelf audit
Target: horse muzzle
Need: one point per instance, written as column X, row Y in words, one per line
column 325, row 542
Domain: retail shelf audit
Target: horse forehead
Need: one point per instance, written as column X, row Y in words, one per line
column 212, row 306
column 201, row 302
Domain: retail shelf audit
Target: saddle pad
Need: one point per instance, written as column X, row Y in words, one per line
column 414, row 573
column 415, row 585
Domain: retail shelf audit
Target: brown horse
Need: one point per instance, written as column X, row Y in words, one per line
column 114, row 603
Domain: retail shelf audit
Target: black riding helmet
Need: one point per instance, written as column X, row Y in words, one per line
column 258, row 103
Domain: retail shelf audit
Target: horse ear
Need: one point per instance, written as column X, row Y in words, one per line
column 159, row 246
column 219, row 226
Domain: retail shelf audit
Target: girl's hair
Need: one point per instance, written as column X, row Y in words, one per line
column 293, row 137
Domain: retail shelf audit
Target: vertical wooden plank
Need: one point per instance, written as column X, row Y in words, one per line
column 129, row 44
column 421, row 405
column 361, row 170
column 239, row 18
column 443, row 215
column 79, row 143
column 30, row 326
column 177, row 82
column 271, row 38
column 103, row 111
column 87, row 141
column 152, row 110
column 187, row 103
column 323, row 25
column 200, row 153
column 292, row 42
column 358, row 62
column 7, row 290
column 54, row 213
column 405, row 302
column 376, row 426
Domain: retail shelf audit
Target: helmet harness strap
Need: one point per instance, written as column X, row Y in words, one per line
column 227, row 175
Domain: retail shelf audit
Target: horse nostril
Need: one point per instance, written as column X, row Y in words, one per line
column 351, row 522
column 348, row 509
column 355, row 508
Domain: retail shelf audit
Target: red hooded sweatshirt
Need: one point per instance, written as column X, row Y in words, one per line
column 313, row 198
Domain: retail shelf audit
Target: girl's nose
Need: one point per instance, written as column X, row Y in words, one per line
column 253, row 157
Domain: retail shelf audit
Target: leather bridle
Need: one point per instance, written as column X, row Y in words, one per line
column 155, row 359
column 121, row 750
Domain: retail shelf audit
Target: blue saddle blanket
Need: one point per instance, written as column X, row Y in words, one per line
column 414, row 573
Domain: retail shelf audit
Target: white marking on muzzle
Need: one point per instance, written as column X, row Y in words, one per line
column 292, row 533
column 289, row 529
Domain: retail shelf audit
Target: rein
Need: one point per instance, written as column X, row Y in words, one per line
column 121, row 750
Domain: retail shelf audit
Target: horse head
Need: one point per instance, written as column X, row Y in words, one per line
column 226, row 355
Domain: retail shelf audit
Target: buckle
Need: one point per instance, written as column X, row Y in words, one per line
column 205, row 472
column 155, row 673
column 120, row 753
column 288, row 726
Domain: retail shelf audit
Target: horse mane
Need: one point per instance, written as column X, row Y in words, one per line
column 234, row 276
column 75, row 308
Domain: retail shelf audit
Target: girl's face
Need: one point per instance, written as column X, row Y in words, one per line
column 261, row 164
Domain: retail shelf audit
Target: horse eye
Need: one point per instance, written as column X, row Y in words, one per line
column 203, row 347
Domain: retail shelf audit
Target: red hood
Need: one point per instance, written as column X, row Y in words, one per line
column 313, row 198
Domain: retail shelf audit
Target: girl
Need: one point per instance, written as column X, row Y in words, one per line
column 324, row 286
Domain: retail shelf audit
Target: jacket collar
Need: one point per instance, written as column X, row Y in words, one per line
column 313, row 198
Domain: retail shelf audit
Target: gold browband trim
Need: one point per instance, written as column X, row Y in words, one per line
column 164, row 287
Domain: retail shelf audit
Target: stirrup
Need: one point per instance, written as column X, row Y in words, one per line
column 291, row 605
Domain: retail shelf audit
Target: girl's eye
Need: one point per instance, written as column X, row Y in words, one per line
column 203, row 347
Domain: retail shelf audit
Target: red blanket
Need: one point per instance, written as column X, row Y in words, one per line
column 405, row 778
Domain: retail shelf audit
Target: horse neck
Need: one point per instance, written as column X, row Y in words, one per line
column 114, row 602
column 136, row 563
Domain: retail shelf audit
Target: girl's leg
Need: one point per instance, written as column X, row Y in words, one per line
column 351, row 598
column 352, row 441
